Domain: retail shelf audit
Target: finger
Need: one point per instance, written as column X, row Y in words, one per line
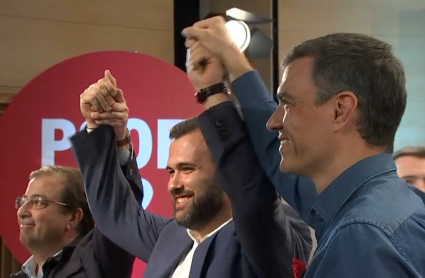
column 119, row 97
column 118, row 107
column 109, row 76
column 209, row 22
column 119, row 116
column 109, row 92
column 111, row 122
column 199, row 57
column 88, row 97
column 189, row 42
column 193, row 32
column 99, row 91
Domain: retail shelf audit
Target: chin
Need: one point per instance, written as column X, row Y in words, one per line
column 286, row 166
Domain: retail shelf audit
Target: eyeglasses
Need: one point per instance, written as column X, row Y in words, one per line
column 36, row 203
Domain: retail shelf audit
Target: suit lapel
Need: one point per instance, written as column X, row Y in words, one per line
column 200, row 256
column 180, row 246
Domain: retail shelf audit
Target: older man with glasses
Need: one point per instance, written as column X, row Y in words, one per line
column 57, row 228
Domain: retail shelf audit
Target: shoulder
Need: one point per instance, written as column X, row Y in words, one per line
column 385, row 205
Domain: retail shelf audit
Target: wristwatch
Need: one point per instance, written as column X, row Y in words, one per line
column 125, row 141
column 203, row 94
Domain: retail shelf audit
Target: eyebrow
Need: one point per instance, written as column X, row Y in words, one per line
column 181, row 165
column 284, row 95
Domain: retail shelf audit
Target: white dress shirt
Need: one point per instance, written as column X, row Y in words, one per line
column 183, row 269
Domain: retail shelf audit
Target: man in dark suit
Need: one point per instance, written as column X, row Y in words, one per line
column 218, row 230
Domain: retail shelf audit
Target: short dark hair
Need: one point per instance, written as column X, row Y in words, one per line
column 416, row 151
column 365, row 66
column 183, row 128
column 73, row 192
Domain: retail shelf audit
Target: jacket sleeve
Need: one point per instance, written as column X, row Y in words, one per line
column 257, row 105
column 118, row 215
column 114, row 261
column 267, row 238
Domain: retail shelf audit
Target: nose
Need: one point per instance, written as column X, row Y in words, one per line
column 175, row 182
column 275, row 121
column 24, row 212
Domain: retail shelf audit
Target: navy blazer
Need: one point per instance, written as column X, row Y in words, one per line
column 261, row 241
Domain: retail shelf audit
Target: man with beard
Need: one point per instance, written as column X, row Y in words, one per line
column 218, row 230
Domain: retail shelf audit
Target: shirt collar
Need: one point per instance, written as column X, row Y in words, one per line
column 330, row 201
column 189, row 232
column 30, row 266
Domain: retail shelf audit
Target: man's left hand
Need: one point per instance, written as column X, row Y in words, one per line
column 117, row 117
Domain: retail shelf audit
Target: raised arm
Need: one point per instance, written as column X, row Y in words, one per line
column 118, row 215
column 112, row 259
column 256, row 104
column 268, row 239
column 116, row 212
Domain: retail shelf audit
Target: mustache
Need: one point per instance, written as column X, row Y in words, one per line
column 180, row 192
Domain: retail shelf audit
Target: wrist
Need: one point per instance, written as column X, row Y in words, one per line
column 91, row 125
column 216, row 100
column 122, row 148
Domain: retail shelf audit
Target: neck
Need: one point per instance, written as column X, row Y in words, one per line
column 346, row 156
column 224, row 215
column 43, row 252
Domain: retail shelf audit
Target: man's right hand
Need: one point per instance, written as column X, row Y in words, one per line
column 99, row 97
column 213, row 34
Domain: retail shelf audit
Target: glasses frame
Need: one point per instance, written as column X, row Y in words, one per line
column 31, row 201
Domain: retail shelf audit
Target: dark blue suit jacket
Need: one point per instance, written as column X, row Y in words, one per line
column 261, row 241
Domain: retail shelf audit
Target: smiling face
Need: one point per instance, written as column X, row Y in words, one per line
column 196, row 198
column 43, row 224
column 305, row 128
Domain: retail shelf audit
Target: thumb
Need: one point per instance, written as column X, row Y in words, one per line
column 194, row 32
column 109, row 76
column 119, row 97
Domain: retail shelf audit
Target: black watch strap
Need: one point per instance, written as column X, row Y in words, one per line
column 203, row 94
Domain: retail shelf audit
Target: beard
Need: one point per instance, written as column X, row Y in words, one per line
column 202, row 208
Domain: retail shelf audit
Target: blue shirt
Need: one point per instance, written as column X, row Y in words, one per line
column 368, row 222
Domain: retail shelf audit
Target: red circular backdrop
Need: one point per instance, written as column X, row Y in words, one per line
column 37, row 123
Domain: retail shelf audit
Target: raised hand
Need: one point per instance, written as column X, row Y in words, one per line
column 205, row 69
column 213, row 34
column 103, row 103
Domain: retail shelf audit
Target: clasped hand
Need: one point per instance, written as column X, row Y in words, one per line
column 103, row 103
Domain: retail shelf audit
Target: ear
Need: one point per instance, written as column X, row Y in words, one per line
column 76, row 217
column 345, row 106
